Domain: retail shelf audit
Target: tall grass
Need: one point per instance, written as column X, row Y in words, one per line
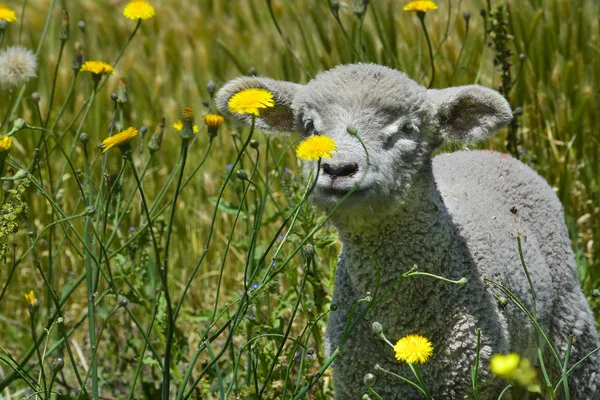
column 86, row 219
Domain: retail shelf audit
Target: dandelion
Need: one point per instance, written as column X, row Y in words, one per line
column 138, row 9
column 32, row 303
column 213, row 122
column 178, row 126
column 5, row 144
column 316, row 147
column 7, row 14
column 515, row 369
column 121, row 140
column 97, row 68
column 421, row 6
column 413, row 349
column 17, row 66
column 249, row 101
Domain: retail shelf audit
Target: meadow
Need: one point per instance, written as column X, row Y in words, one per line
column 199, row 251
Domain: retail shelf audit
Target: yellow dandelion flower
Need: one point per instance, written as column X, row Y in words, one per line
column 413, row 349
column 178, row 126
column 504, row 365
column 118, row 140
column 316, row 147
column 7, row 14
column 138, row 9
column 5, row 144
column 516, row 369
column 97, row 68
column 30, row 297
column 213, row 120
column 421, row 6
column 249, row 101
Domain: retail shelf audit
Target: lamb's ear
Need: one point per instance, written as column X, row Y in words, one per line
column 469, row 113
column 279, row 118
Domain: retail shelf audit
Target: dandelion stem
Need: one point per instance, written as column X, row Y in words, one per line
column 165, row 275
column 422, row 19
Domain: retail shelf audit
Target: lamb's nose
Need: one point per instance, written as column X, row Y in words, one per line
column 342, row 170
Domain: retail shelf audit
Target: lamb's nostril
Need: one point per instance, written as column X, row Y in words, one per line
column 342, row 170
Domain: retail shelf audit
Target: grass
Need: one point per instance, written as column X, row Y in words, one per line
column 220, row 233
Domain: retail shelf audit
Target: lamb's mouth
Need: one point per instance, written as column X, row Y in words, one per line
column 340, row 192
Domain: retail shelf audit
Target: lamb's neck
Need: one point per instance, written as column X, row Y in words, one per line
column 419, row 232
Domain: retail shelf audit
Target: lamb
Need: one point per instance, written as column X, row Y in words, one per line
column 455, row 215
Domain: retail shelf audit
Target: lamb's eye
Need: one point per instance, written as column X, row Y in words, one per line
column 409, row 128
column 309, row 127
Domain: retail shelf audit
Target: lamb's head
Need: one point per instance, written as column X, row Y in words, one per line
column 399, row 124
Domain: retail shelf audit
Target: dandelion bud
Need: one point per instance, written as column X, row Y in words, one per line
column 308, row 252
column 335, row 6
column 522, row 57
column 333, row 307
column 143, row 131
column 252, row 71
column 19, row 124
column 369, row 380
column 3, row 24
column 211, row 87
column 32, row 302
column 156, row 139
column 595, row 293
column 81, row 25
column 58, row 364
column 254, row 144
column 77, row 57
column 65, row 30
column 122, row 91
column 213, row 122
column 84, row 138
column 187, row 131
column 466, row 16
column 377, row 328
column 241, row 174
column 360, row 7
column 352, row 130
column 310, row 351
column 365, row 397
column 123, row 301
column 502, row 302
column 517, row 112
column 35, row 96
column 463, row 281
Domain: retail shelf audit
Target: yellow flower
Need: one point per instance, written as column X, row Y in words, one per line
column 7, row 14
column 504, row 365
column 421, row 6
column 249, row 101
column 178, row 126
column 413, row 349
column 516, row 369
column 97, row 68
column 316, row 147
column 213, row 120
column 119, row 139
column 30, row 297
column 5, row 144
column 138, row 9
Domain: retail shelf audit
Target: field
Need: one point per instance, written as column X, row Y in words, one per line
column 202, row 253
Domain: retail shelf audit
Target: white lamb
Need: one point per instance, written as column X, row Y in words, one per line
column 456, row 215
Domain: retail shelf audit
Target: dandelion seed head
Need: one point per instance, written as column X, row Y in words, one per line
column 17, row 66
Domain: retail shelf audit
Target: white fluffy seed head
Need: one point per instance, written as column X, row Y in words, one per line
column 17, row 65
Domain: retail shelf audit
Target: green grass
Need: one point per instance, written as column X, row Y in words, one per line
column 167, row 66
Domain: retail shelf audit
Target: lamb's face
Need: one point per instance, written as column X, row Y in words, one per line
column 384, row 110
column 399, row 123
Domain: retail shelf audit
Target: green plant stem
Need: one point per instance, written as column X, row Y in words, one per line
column 51, row 101
column 422, row 19
column 165, row 276
column 42, row 376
